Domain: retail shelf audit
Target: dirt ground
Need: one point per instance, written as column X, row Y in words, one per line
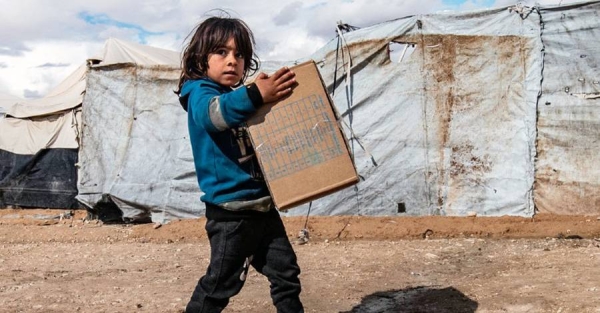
column 52, row 263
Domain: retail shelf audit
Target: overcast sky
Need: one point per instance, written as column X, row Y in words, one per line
column 43, row 41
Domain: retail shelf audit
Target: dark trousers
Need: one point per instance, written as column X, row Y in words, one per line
column 261, row 242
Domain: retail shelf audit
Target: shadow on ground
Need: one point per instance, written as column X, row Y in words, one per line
column 416, row 300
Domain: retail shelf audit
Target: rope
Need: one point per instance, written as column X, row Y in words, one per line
column 360, row 144
column 307, row 214
column 337, row 49
column 341, row 42
column 303, row 234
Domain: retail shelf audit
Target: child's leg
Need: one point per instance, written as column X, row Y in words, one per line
column 230, row 245
column 275, row 258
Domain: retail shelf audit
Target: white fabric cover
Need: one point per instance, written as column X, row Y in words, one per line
column 7, row 100
column 117, row 51
column 30, row 135
column 67, row 95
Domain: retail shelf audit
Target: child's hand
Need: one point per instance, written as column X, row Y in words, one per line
column 276, row 86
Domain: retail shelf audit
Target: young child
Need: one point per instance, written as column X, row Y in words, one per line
column 242, row 224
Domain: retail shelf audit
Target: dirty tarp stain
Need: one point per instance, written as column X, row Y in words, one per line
column 445, row 59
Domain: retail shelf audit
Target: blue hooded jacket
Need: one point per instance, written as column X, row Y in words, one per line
column 226, row 166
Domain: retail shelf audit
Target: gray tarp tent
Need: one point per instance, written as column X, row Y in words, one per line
column 494, row 112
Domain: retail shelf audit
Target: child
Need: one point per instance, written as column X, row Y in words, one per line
column 242, row 224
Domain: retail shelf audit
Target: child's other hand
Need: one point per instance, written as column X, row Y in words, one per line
column 276, row 86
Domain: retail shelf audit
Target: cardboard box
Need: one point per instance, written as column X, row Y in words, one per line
column 299, row 143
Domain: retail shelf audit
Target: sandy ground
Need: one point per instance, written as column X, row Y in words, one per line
column 350, row 264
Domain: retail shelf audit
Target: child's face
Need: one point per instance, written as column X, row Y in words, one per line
column 226, row 65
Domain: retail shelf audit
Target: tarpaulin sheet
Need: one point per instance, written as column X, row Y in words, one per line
column 69, row 93
column 46, row 179
column 568, row 161
column 38, row 157
column 136, row 147
column 29, row 135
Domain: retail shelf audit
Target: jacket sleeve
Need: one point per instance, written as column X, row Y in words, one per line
column 215, row 110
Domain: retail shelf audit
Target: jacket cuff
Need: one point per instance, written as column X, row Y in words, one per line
column 254, row 95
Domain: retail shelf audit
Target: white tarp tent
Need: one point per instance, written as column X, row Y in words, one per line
column 48, row 122
column 7, row 100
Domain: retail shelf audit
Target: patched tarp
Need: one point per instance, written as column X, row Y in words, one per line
column 567, row 179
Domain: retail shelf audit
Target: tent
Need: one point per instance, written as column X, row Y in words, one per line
column 470, row 117
column 40, row 138
column 135, row 153
column 492, row 112
column 38, row 148
column 7, row 100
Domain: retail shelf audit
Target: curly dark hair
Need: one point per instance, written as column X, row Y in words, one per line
column 208, row 36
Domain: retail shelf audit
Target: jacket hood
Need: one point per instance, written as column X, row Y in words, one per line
column 185, row 93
